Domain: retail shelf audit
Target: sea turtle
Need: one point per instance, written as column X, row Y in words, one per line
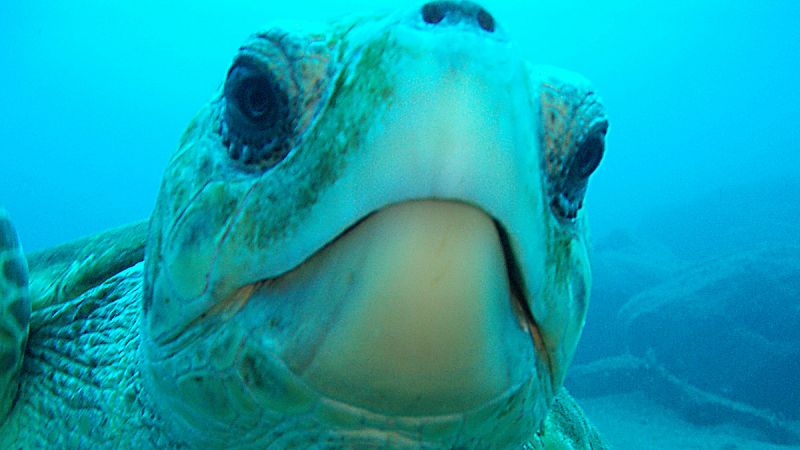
column 371, row 236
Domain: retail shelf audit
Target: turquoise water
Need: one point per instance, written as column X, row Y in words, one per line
column 702, row 160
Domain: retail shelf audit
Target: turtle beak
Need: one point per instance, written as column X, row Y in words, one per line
column 427, row 322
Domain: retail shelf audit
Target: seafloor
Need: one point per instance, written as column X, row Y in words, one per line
column 634, row 422
column 692, row 337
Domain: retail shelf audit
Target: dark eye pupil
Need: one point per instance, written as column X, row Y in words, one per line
column 256, row 99
column 588, row 156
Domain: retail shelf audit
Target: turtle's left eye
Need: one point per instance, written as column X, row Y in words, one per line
column 257, row 113
column 573, row 141
column 589, row 154
column 569, row 186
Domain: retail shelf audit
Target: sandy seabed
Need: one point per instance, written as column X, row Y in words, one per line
column 632, row 422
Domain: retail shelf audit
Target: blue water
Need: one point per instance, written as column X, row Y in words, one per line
column 703, row 99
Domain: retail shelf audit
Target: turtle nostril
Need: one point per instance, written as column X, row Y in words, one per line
column 432, row 13
column 451, row 13
column 485, row 20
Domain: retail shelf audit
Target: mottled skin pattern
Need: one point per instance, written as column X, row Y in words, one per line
column 14, row 310
column 193, row 347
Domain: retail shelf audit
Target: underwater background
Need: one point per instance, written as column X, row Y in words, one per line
column 693, row 334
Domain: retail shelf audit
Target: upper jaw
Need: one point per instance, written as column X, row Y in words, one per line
column 412, row 147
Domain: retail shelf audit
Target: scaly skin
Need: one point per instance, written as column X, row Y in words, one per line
column 371, row 237
column 15, row 311
column 80, row 387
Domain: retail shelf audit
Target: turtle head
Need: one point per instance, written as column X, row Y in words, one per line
column 372, row 235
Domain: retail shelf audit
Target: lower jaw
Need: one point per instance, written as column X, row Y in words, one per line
column 284, row 411
column 508, row 421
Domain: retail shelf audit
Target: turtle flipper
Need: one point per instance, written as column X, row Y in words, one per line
column 15, row 313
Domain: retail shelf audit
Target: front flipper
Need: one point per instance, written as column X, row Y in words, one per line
column 15, row 313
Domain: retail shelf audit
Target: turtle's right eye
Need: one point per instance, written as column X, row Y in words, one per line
column 258, row 114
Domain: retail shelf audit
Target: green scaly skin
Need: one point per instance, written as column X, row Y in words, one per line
column 15, row 310
column 222, row 336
